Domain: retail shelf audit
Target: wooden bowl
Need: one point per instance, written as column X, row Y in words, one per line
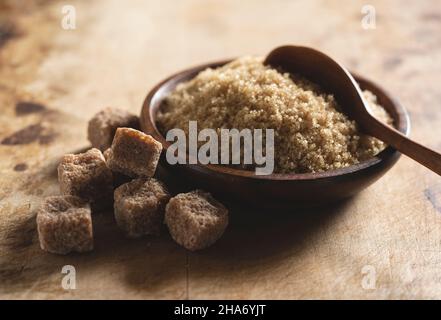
column 275, row 190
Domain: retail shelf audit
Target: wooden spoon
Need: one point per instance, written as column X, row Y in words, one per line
column 334, row 78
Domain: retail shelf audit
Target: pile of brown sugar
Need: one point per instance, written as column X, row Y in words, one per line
column 311, row 133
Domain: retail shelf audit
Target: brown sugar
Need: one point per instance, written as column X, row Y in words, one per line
column 311, row 133
column 64, row 224
column 102, row 127
column 195, row 219
column 87, row 176
column 134, row 153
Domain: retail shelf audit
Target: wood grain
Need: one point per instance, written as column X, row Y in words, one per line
column 118, row 52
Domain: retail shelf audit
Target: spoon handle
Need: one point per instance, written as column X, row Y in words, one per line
column 412, row 149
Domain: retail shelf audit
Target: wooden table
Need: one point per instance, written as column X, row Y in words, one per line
column 383, row 243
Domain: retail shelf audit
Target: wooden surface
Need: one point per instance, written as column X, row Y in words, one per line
column 118, row 51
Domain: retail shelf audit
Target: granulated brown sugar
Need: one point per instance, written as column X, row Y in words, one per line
column 311, row 134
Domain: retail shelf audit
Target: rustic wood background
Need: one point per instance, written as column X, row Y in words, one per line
column 53, row 80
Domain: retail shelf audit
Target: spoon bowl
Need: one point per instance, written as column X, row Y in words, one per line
column 321, row 69
column 275, row 190
column 333, row 77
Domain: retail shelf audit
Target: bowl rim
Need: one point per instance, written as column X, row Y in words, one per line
column 148, row 125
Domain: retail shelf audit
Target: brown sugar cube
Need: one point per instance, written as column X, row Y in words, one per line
column 134, row 153
column 139, row 207
column 87, row 176
column 118, row 178
column 64, row 225
column 103, row 125
column 195, row 219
